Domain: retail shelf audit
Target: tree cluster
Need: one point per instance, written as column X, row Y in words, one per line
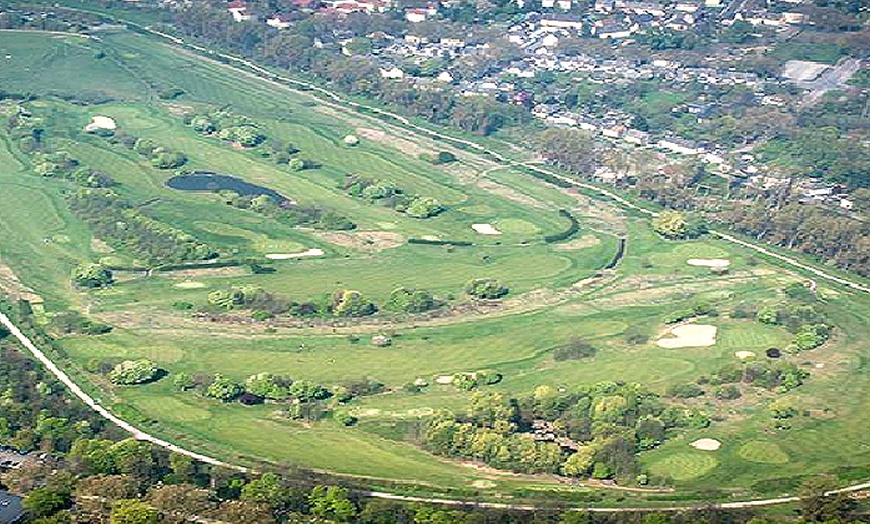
column 125, row 227
column 391, row 196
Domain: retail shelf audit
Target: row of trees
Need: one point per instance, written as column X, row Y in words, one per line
column 125, row 227
column 226, row 125
column 342, row 303
column 291, row 213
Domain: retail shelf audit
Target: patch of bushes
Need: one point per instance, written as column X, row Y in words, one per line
column 130, row 372
column 293, row 214
column 575, row 349
column 469, row 381
column 775, row 376
column 442, row 157
column 809, row 337
column 124, row 227
column 68, row 322
column 486, row 288
column 698, row 310
column 425, row 241
column 60, row 165
column 228, row 126
column 688, row 390
column 391, row 196
column 411, row 301
column 160, row 157
column 91, row 276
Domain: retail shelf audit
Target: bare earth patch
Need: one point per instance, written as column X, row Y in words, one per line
column 689, row 336
column 586, row 241
column 706, row 444
column 508, row 192
column 99, row 246
column 366, row 241
column 485, row 229
column 404, row 145
column 743, row 355
column 190, row 285
column 709, row 262
column 313, row 252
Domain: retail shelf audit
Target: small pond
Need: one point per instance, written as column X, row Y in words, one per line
column 205, row 181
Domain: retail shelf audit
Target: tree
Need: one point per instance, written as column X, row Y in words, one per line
column 350, row 303
column 132, row 511
column 331, row 503
column 42, row 502
column 579, row 463
column 817, row 504
column 410, row 301
column 486, row 288
column 224, row 389
column 670, row 224
column 131, row 372
column 267, row 385
column 267, row 490
column 423, row 207
column 91, row 276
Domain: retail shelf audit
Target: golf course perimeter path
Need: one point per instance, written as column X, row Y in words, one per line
column 143, row 436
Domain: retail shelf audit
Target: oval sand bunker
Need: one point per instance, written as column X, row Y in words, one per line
column 706, row 444
column 485, row 229
column 313, row 252
column 689, row 336
column 709, row 262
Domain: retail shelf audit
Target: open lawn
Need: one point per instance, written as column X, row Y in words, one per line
column 557, row 291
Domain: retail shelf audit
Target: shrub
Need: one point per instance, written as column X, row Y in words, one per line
column 91, row 276
column 183, row 381
column 350, row 303
column 411, row 301
column 67, row 322
column 423, row 207
column 685, row 391
column 267, row 385
column 729, row 392
column 811, row 337
column 635, row 335
column 224, row 389
column 575, row 349
column 489, row 288
column 130, row 372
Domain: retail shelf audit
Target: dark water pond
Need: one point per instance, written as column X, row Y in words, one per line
column 204, row 181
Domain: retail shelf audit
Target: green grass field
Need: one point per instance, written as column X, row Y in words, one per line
column 557, row 290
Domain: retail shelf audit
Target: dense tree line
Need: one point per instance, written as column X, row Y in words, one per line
column 124, row 227
column 585, row 431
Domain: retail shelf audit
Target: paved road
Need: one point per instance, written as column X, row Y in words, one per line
column 270, row 76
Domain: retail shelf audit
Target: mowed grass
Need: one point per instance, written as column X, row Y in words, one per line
column 42, row 242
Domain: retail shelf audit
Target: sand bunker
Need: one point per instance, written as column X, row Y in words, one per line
column 689, row 336
column 743, row 355
column 313, row 252
column 444, row 379
column 706, row 444
column 190, row 285
column 709, row 262
column 100, row 122
column 485, row 229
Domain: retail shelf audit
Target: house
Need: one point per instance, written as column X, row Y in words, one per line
column 239, row 11
column 415, row 16
column 548, row 4
column 712, row 3
column 445, row 77
column 793, row 18
column 564, row 5
column 847, row 204
column 679, row 145
column 304, row 4
column 561, row 119
column 613, row 31
column 636, row 136
column 562, row 21
column 393, row 73
column 279, row 21
column 11, row 509
column 604, row 6
column 688, row 7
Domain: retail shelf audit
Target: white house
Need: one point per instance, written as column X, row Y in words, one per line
column 415, row 16
column 279, row 21
column 561, row 119
column 393, row 73
column 445, row 77
column 562, row 21
column 565, row 5
column 239, row 11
